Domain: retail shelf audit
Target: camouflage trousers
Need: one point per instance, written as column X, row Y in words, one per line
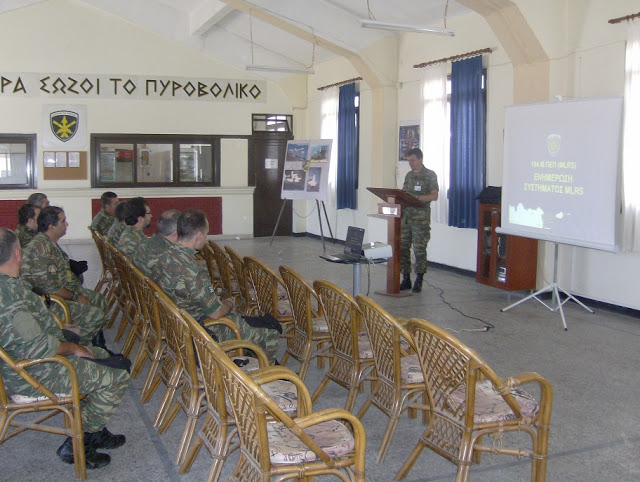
column 265, row 338
column 103, row 386
column 89, row 319
column 416, row 232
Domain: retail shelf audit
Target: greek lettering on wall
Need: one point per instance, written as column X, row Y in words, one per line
column 89, row 86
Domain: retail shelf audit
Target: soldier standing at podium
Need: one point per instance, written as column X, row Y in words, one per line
column 416, row 222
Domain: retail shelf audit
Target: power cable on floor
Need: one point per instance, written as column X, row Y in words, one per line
column 487, row 326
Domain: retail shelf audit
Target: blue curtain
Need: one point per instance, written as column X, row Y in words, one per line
column 347, row 178
column 467, row 157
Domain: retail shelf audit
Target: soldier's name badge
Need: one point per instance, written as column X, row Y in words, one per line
column 52, row 269
column 417, row 188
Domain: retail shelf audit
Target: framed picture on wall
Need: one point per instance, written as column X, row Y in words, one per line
column 409, row 138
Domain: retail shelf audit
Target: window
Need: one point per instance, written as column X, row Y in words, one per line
column 17, row 161
column 126, row 160
column 272, row 123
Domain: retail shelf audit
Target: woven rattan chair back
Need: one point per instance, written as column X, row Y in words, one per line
column 225, row 270
column 456, row 376
column 247, row 301
column 104, row 284
column 304, row 343
column 393, row 392
column 345, row 328
column 254, row 410
column 179, row 341
column 265, row 282
column 47, row 403
column 212, row 267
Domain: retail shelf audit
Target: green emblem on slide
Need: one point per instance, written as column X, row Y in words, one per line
column 553, row 144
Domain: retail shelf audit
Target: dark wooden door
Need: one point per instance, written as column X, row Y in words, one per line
column 265, row 173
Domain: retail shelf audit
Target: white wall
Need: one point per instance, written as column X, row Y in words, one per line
column 586, row 60
column 67, row 36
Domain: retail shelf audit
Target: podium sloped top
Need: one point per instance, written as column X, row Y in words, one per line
column 401, row 197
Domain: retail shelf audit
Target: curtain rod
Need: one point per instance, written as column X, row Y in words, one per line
column 338, row 84
column 455, row 57
column 627, row 18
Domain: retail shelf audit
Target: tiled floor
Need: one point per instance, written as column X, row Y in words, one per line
column 593, row 368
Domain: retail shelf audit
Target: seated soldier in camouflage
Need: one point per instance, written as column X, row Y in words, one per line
column 151, row 248
column 104, row 219
column 46, row 267
column 188, row 284
column 113, row 235
column 28, row 330
column 137, row 220
column 27, row 223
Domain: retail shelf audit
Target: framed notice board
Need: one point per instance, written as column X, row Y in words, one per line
column 64, row 165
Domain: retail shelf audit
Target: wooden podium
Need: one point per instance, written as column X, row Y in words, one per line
column 391, row 209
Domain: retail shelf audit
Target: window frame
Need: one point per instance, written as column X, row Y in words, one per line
column 30, row 140
column 174, row 139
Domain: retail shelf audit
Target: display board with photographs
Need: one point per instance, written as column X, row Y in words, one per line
column 306, row 169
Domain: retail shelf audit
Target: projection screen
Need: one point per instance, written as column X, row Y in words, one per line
column 561, row 172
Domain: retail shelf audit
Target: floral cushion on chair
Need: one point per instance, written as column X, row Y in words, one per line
column 285, row 448
column 320, row 325
column 364, row 346
column 284, row 308
column 283, row 393
column 410, row 370
column 491, row 407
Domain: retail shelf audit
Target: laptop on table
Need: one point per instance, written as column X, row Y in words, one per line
column 352, row 247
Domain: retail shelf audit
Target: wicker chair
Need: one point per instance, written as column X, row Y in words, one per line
column 352, row 354
column 68, row 404
column 218, row 430
column 248, row 300
column 310, row 335
column 105, row 284
column 327, row 442
column 212, row 267
column 467, row 401
column 154, row 347
column 271, row 294
column 399, row 379
column 225, row 269
column 184, row 377
column 131, row 305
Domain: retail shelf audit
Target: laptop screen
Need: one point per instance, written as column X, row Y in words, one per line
column 353, row 243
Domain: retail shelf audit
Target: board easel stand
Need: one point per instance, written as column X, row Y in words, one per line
column 395, row 200
column 556, row 304
column 326, row 217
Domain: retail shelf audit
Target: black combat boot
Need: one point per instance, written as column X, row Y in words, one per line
column 406, row 282
column 93, row 459
column 417, row 286
column 103, row 440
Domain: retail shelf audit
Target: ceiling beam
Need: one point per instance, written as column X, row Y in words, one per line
column 206, row 15
column 362, row 67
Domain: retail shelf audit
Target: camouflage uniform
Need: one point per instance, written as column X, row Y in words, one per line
column 416, row 222
column 113, row 235
column 188, row 284
column 28, row 330
column 148, row 252
column 25, row 235
column 46, row 266
column 129, row 240
column 102, row 222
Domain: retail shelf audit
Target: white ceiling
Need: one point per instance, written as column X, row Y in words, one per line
column 230, row 35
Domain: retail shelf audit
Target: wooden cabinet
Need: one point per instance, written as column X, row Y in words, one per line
column 504, row 261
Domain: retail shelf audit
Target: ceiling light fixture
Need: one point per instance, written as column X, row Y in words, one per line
column 403, row 27
column 283, row 69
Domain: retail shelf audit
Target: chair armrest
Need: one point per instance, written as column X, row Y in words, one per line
column 231, row 345
column 546, row 392
column 226, row 322
column 60, row 301
column 20, row 366
column 273, row 373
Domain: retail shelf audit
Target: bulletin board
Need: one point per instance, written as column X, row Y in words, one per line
column 64, row 165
